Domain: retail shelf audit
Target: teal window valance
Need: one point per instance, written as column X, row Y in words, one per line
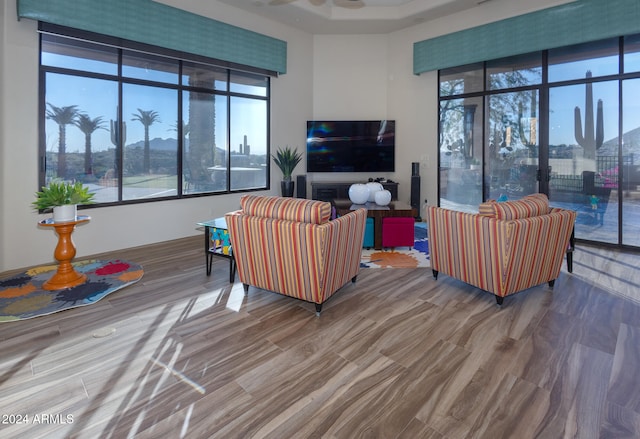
column 572, row 23
column 149, row 22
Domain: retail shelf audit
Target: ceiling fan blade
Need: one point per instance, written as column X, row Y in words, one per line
column 349, row 4
column 280, row 2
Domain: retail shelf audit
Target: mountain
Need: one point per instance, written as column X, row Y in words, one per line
column 631, row 139
column 157, row 144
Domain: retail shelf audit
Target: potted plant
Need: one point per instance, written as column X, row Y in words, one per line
column 63, row 198
column 474, row 164
column 287, row 159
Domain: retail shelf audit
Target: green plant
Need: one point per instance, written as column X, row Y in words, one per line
column 60, row 193
column 287, row 159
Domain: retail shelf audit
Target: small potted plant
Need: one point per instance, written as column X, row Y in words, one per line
column 287, row 159
column 474, row 164
column 63, row 198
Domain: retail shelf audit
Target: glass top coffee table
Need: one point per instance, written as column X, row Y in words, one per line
column 217, row 243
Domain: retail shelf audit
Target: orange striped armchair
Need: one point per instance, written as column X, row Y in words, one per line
column 292, row 247
column 505, row 248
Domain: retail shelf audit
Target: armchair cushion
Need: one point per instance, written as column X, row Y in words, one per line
column 291, row 209
column 527, row 207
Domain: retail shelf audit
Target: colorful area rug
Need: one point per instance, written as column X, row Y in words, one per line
column 21, row 296
column 400, row 257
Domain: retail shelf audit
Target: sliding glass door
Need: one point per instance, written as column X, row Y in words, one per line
column 584, row 159
column 565, row 122
column 630, row 183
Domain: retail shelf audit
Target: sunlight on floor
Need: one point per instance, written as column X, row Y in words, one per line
column 614, row 271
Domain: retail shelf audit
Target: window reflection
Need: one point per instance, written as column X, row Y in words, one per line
column 79, row 55
column 77, row 133
column 149, row 67
column 600, row 58
column 631, row 162
column 632, row 53
column 201, row 75
column 204, row 139
column 459, row 80
column 583, row 145
column 249, row 83
column 514, row 71
column 150, row 155
column 512, row 156
column 461, row 153
column 248, row 143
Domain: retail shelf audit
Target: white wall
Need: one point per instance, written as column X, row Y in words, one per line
column 337, row 76
column 350, row 83
column 362, row 77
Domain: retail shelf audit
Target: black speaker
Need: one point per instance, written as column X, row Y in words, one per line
column 415, row 169
column 415, row 188
column 301, row 186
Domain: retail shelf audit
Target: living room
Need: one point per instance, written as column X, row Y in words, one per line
column 328, row 77
column 398, row 354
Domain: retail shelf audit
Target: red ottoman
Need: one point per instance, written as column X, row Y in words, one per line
column 398, row 231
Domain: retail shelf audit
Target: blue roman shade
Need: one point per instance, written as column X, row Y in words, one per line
column 572, row 23
column 148, row 22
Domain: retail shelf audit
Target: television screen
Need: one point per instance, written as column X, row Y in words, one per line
column 351, row 146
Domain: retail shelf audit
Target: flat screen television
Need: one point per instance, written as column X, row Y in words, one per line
column 351, row 146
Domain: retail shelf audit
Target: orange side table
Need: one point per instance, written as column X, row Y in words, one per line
column 66, row 276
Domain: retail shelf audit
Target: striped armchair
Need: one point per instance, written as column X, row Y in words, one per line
column 292, row 247
column 505, row 248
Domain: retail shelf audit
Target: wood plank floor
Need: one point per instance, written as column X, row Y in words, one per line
column 396, row 355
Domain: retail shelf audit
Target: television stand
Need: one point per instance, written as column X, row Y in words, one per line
column 379, row 213
column 331, row 190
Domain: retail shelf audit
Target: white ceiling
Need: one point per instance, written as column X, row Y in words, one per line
column 376, row 16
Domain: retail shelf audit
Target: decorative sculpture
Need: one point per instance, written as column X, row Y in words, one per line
column 373, row 187
column 358, row 193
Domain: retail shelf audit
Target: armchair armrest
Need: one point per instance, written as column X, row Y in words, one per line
column 537, row 248
column 467, row 246
column 499, row 256
column 343, row 249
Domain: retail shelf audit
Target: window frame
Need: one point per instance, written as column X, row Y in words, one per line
column 181, row 87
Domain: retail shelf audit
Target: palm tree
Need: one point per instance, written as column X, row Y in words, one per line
column 63, row 116
column 146, row 118
column 88, row 126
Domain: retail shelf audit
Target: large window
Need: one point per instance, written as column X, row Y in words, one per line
column 564, row 122
column 137, row 126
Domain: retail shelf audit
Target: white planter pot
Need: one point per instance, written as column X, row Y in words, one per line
column 66, row 213
column 358, row 193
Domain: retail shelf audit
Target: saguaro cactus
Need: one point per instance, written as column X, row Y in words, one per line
column 590, row 143
column 118, row 135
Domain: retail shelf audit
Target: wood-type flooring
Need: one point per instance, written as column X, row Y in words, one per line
column 395, row 355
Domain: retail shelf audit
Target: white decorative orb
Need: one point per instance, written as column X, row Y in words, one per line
column 373, row 188
column 358, row 193
column 383, row 197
